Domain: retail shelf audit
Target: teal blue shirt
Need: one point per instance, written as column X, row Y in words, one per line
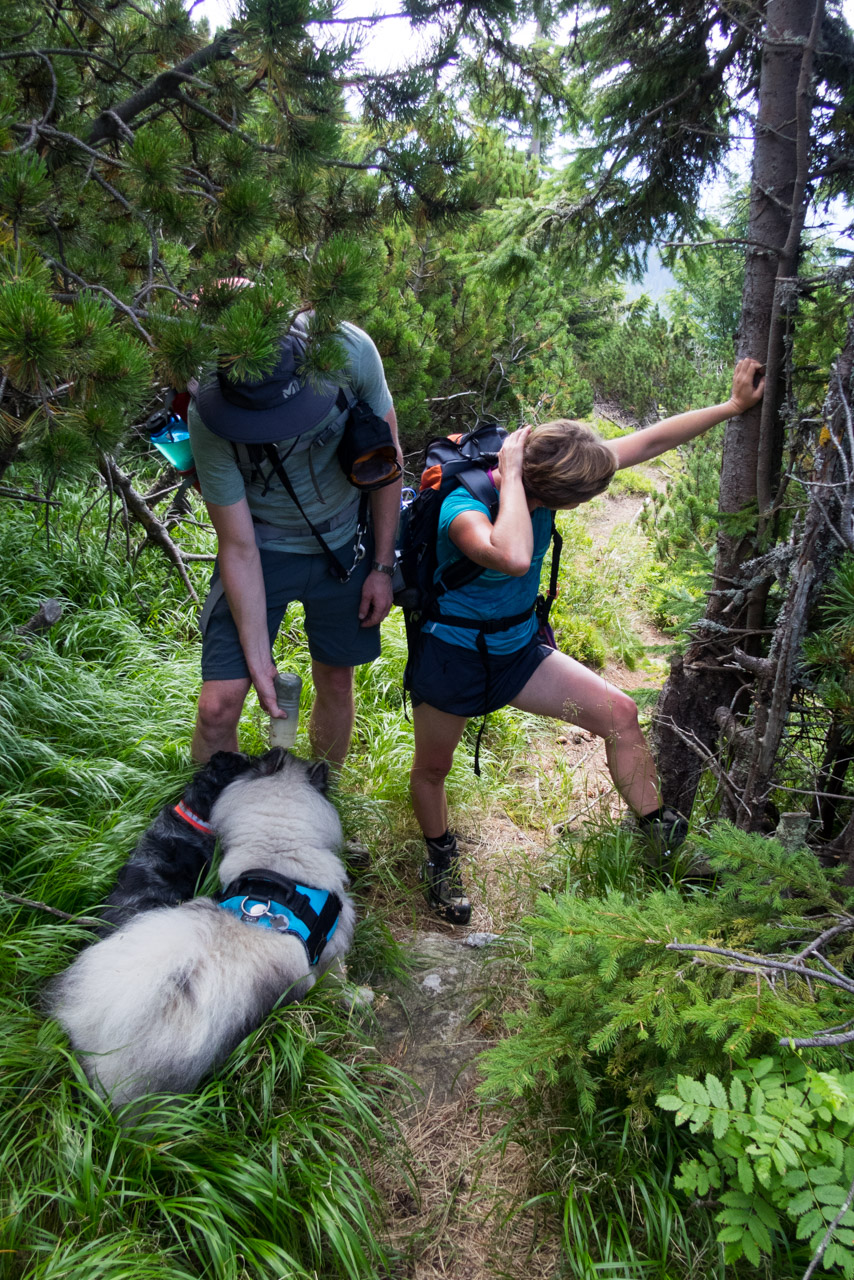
column 492, row 594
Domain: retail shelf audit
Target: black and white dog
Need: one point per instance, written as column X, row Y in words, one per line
column 175, row 851
column 169, row 994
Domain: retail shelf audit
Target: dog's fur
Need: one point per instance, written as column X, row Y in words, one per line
column 166, row 998
column 171, row 856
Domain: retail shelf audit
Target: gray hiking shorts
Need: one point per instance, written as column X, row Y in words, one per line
column 335, row 635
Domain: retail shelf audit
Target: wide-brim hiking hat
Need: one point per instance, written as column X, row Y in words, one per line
column 278, row 406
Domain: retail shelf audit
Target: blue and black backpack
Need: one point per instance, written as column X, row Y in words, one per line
column 451, row 461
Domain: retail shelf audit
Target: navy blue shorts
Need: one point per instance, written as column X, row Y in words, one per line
column 335, row 635
column 453, row 679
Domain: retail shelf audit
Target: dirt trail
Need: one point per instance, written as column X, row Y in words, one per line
column 453, row 1221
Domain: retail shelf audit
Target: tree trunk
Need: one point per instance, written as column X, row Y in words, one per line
column 8, row 452
column 698, row 686
column 830, row 786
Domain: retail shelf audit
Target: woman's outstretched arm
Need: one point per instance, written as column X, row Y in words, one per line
column 748, row 384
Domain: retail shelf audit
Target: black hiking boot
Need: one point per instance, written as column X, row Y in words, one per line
column 442, row 882
column 665, row 830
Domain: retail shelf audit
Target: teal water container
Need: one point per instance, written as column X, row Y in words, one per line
column 173, row 441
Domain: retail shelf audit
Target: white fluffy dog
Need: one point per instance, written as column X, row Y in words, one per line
column 163, row 1000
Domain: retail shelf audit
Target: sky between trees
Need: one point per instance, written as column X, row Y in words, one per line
column 385, row 49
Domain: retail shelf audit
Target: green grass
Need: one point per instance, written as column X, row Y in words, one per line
column 621, row 1215
column 598, row 592
column 267, row 1169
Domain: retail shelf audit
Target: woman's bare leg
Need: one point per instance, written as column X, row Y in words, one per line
column 437, row 736
column 564, row 689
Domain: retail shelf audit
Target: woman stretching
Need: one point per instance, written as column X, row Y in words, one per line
column 553, row 467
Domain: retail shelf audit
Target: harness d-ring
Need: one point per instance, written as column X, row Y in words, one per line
column 257, row 911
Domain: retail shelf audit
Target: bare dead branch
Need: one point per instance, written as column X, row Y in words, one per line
column 758, row 666
column 154, row 527
column 709, row 759
column 828, row 1235
column 47, row 615
column 18, row 495
column 89, row 921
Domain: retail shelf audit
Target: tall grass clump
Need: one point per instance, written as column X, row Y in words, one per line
column 266, row 1170
column 598, row 593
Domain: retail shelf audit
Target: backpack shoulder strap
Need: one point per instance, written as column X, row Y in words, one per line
column 476, row 480
column 545, row 602
column 336, row 568
column 251, row 456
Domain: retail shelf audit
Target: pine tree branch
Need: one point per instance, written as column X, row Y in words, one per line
column 223, row 124
column 365, row 21
column 99, row 288
column 165, row 85
column 734, row 242
column 841, row 164
column 87, row 54
column 48, row 131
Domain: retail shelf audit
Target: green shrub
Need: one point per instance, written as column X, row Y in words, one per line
column 582, row 641
column 649, row 363
column 614, row 1011
column 632, row 481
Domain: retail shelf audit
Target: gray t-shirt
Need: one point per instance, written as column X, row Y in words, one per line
column 310, row 461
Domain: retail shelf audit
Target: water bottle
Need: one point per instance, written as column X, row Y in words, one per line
column 288, row 686
column 173, row 441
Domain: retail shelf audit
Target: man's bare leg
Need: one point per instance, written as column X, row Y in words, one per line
column 333, row 713
column 220, row 705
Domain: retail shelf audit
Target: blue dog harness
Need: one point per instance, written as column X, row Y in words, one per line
column 277, row 902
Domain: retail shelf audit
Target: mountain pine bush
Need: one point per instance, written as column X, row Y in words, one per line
column 615, row 1014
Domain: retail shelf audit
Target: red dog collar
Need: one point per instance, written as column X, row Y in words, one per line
column 193, row 819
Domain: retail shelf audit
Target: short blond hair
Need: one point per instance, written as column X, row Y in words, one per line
column 565, row 463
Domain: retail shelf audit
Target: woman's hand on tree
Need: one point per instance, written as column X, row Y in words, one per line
column 748, row 385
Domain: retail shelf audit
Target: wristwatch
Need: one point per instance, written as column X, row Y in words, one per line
column 383, row 568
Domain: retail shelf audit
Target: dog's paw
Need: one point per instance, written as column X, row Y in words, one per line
column 357, row 857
